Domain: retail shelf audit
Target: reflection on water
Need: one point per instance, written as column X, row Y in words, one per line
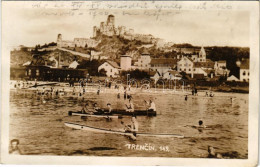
column 38, row 122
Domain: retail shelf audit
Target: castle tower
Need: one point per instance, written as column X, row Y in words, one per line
column 110, row 25
column 102, row 27
column 59, row 40
column 111, row 20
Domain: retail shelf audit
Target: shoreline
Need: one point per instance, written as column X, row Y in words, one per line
column 93, row 88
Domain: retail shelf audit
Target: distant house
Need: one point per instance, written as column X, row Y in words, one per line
column 169, row 75
column 144, row 61
column 125, row 62
column 185, row 64
column 156, row 76
column 111, row 68
column 221, row 68
column 163, row 65
column 220, row 64
column 74, row 64
column 244, row 70
column 205, row 68
column 232, row 78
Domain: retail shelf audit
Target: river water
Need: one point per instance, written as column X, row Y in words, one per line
column 38, row 123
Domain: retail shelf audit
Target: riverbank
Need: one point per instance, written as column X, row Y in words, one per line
column 147, row 88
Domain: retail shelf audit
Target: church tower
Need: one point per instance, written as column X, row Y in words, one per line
column 202, row 55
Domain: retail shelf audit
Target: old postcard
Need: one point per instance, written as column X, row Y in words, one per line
column 130, row 83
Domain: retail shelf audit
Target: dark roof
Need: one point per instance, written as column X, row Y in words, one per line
column 207, row 64
column 222, row 61
column 113, row 64
column 164, row 61
column 244, row 64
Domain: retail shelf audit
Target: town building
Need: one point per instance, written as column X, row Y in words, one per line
column 198, row 66
column 125, row 63
column 244, row 70
column 163, row 65
column 111, row 69
column 74, row 64
column 220, row 68
column 185, row 64
column 169, row 75
column 232, row 78
column 201, row 57
column 143, row 63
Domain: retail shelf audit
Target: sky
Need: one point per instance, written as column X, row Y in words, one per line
column 201, row 28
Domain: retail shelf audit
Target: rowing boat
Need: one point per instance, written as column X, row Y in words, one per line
column 121, row 112
column 136, row 112
column 93, row 115
column 101, row 130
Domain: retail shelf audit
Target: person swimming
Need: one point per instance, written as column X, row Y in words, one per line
column 201, row 124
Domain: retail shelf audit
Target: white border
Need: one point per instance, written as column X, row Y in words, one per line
column 252, row 6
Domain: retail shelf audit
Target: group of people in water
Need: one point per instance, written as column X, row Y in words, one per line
column 52, row 91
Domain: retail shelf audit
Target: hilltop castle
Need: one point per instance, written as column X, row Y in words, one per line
column 108, row 28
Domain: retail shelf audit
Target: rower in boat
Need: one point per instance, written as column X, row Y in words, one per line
column 109, row 112
column 133, row 127
column 130, row 107
column 151, row 107
column 87, row 109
